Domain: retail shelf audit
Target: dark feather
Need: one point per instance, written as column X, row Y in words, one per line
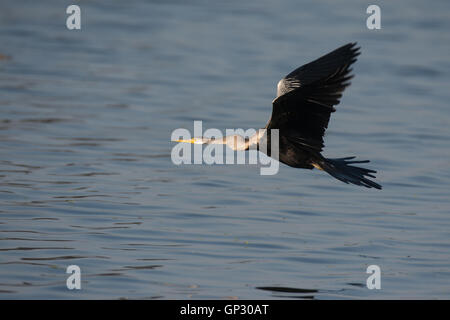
column 301, row 111
column 307, row 96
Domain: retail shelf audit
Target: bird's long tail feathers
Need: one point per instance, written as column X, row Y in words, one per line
column 342, row 169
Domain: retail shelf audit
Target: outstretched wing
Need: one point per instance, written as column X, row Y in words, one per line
column 306, row 97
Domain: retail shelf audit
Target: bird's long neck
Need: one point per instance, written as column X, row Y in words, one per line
column 237, row 142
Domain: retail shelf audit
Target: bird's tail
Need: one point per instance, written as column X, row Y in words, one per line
column 342, row 170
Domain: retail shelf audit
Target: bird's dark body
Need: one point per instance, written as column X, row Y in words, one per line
column 301, row 111
column 291, row 154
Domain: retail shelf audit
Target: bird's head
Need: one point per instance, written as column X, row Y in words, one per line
column 195, row 140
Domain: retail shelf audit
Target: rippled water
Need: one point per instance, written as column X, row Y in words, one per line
column 86, row 176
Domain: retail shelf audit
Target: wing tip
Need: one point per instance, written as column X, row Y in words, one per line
column 354, row 49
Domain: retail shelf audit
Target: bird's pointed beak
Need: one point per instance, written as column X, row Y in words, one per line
column 186, row 141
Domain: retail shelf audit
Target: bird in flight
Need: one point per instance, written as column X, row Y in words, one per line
column 301, row 111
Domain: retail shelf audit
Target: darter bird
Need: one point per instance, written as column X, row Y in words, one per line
column 301, row 111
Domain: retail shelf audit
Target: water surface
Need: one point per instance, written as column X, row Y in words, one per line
column 86, row 176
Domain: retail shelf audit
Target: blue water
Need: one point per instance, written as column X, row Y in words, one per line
column 86, row 176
